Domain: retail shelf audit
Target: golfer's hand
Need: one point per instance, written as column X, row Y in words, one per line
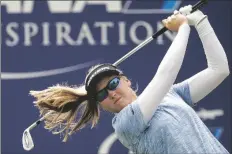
column 174, row 22
column 193, row 18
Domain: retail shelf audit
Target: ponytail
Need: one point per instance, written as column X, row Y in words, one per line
column 71, row 109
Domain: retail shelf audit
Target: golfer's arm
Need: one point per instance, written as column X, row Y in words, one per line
column 165, row 75
column 204, row 82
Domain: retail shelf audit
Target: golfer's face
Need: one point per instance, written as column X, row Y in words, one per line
column 114, row 93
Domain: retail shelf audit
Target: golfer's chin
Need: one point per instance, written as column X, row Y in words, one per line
column 121, row 106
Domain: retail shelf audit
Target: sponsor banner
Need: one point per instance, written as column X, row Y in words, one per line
column 48, row 42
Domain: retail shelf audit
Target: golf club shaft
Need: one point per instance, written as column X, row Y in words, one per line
column 154, row 36
column 133, row 51
column 38, row 121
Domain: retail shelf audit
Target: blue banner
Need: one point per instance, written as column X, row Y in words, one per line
column 50, row 42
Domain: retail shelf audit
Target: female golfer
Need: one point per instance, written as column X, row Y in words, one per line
column 160, row 119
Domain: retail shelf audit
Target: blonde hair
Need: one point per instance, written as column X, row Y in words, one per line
column 67, row 109
column 65, row 102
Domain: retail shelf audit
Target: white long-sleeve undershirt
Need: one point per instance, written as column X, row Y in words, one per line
column 205, row 81
column 200, row 84
column 166, row 74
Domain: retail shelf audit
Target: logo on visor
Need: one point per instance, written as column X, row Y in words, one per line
column 95, row 73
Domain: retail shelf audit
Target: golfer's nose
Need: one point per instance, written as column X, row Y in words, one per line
column 112, row 94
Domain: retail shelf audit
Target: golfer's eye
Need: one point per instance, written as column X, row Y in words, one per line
column 113, row 84
column 101, row 95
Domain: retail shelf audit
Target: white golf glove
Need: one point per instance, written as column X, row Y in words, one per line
column 193, row 18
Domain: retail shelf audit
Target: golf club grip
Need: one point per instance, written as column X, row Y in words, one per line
column 194, row 8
